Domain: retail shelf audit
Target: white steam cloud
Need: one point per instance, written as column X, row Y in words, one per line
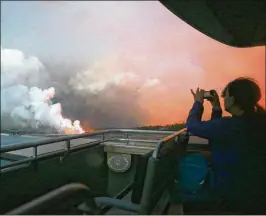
column 99, row 77
column 16, row 68
column 109, row 73
column 24, row 107
column 106, row 94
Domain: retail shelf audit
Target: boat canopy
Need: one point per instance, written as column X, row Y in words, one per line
column 237, row 23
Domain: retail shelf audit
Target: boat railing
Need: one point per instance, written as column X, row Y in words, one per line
column 162, row 143
column 170, row 135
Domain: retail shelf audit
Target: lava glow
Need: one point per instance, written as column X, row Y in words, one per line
column 89, row 130
column 71, row 128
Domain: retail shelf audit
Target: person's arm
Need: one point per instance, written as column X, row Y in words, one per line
column 216, row 113
column 212, row 129
column 197, row 110
column 216, row 106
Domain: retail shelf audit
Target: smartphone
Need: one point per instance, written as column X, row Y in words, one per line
column 208, row 94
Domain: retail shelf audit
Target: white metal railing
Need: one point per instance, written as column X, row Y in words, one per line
column 68, row 149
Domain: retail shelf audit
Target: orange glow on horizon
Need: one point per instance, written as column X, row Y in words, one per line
column 89, row 130
column 220, row 67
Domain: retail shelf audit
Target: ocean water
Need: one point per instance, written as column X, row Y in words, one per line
column 13, row 139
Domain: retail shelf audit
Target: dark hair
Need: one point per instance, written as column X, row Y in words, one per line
column 247, row 94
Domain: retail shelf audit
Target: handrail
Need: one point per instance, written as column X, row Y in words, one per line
column 133, row 140
column 164, row 140
column 20, row 146
column 68, row 149
column 44, row 201
column 61, row 152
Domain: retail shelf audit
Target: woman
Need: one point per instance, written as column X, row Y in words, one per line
column 237, row 145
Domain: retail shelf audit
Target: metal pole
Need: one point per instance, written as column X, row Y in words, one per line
column 35, row 156
column 127, row 138
column 68, row 145
column 35, row 152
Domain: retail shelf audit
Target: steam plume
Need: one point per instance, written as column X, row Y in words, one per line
column 24, row 107
column 98, row 96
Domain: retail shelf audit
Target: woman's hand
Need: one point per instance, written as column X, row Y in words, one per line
column 199, row 95
column 215, row 100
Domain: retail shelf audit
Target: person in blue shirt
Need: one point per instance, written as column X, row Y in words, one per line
column 237, row 144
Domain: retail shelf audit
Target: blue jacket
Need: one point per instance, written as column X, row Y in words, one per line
column 238, row 153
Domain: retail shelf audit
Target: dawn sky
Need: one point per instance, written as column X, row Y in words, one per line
column 141, row 38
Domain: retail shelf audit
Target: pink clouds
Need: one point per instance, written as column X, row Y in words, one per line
column 153, row 43
column 145, row 39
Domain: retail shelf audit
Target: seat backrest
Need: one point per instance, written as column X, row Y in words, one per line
column 161, row 170
column 139, row 179
column 59, row 201
column 158, row 178
column 179, row 144
column 160, row 174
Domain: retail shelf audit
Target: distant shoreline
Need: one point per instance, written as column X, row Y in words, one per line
column 171, row 127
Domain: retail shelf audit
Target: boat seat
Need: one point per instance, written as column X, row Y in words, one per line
column 116, row 211
column 152, row 180
column 177, row 146
column 158, row 178
column 154, row 196
column 133, row 195
column 60, row 201
column 139, row 179
column 160, row 174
